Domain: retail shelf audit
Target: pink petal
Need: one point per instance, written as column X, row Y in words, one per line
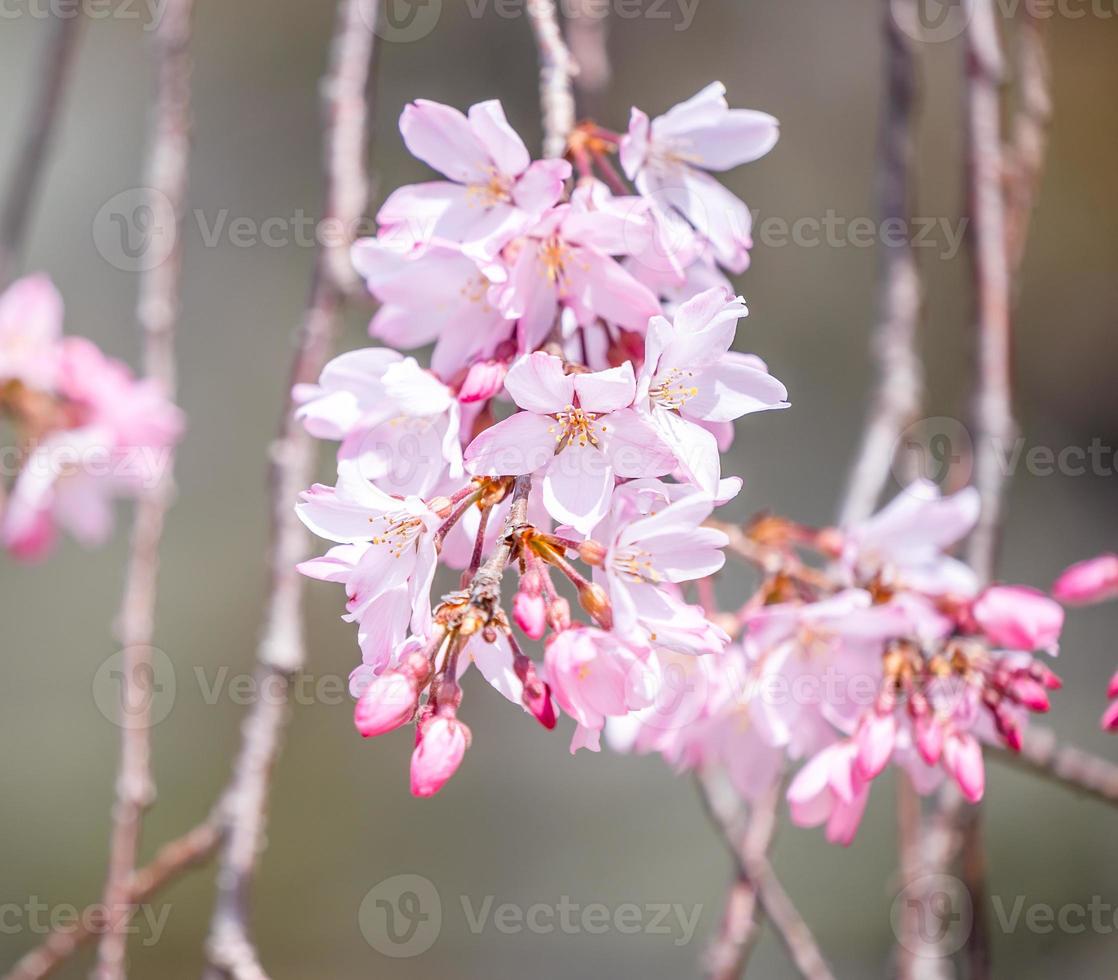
column 442, row 138
column 634, row 447
column 541, row 185
column 506, row 149
column 601, row 392
column 522, row 443
column 578, row 486
column 537, row 383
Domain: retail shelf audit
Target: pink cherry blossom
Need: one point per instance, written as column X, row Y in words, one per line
column 1090, row 581
column 669, row 156
column 565, row 262
column 495, row 191
column 829, row 790
column 690, row 377
column 594, row 675
column 31, row 316
column 579, row 431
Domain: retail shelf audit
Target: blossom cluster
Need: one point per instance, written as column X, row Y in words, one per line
column 581, row 390
column 883, row 650
column 85, row 430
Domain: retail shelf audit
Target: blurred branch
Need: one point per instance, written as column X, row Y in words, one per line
column 157, row 312
column 170, row 862
column 557, row 68
column 281, row 653
column 1029, row 144
column 1042, row 755
column 587, row 38
column 756, row 889
column 22, row 189
column 899, row 394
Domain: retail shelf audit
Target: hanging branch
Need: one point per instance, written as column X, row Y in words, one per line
column 899, row 393
column 587, row 38
column 749, row 847
column 23, row 185
column 557, row 68
column 281, row 652
column 157, row 312
column 173, row 859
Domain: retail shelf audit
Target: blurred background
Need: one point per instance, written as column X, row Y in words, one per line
column 523, row 821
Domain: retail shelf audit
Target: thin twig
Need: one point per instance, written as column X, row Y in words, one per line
column 23, row 185
column 1081, row 772
column 750, row 852
column 157, row 312
column 281, row 652
column 588, row 40
column 173, row 859
column 557, row 68
column 899, row 388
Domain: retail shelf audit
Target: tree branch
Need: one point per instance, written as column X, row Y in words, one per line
column 557, row 68
column 587, row 38
column 899, row 393
column 173, row 859
column 281, row 652
column 23, row 185
column 157, row 312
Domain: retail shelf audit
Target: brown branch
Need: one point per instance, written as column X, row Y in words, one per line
column 281, row 652
column 899, row 392
column 1081, row 772
column 157, row 312
column 23, row 185
column 749, row 848
column 173, row 859
column 587, row 38
column 557, row 68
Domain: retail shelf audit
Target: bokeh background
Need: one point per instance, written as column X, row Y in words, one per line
column 524, row 821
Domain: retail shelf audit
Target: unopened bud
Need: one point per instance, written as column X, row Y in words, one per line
column 530, row 613
column 559, row 614
column 595, row 601
column 592, row 552
column 388, row 702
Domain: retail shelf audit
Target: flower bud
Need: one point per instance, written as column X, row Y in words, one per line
column 1112, row 690
column 876, row 736
column 443, row 741
column 530, row 613
column 592, row 552
column 536, row 696
column 1094, row 580
column 1018, row 618
column 387, row 703
column 1028, row 692
column 483, row 380
column 1110, row 718
column 962, row 758
column 595, row 601
column 559, row 614
column 929, row 739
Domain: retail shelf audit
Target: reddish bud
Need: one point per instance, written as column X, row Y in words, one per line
column 530, row 613
column 387, row 703
column 443, row 741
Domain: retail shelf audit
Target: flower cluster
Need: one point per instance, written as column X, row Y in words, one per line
column 581, row 390
column 86, row 430
column 883, row 650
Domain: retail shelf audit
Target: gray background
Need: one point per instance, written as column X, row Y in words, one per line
column 523, row 821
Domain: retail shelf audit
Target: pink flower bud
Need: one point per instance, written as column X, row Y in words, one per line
column 1028, row 692
column 876, row 736
column 530, row 613
column 559, row 614
column 388, row 702
column 483, row 380
column 1094, row 580
column 1019, row 618
column 1110, row 718
column 443, row 741
column 929, row 739
column 962, row 758
column 536, row 696
column 1112, row 690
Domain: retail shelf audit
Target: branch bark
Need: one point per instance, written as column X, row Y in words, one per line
column 899, row 394
column 281, row 651
column 23, row 185
column 157, row 312
column 557, row 69
column 588, row 40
